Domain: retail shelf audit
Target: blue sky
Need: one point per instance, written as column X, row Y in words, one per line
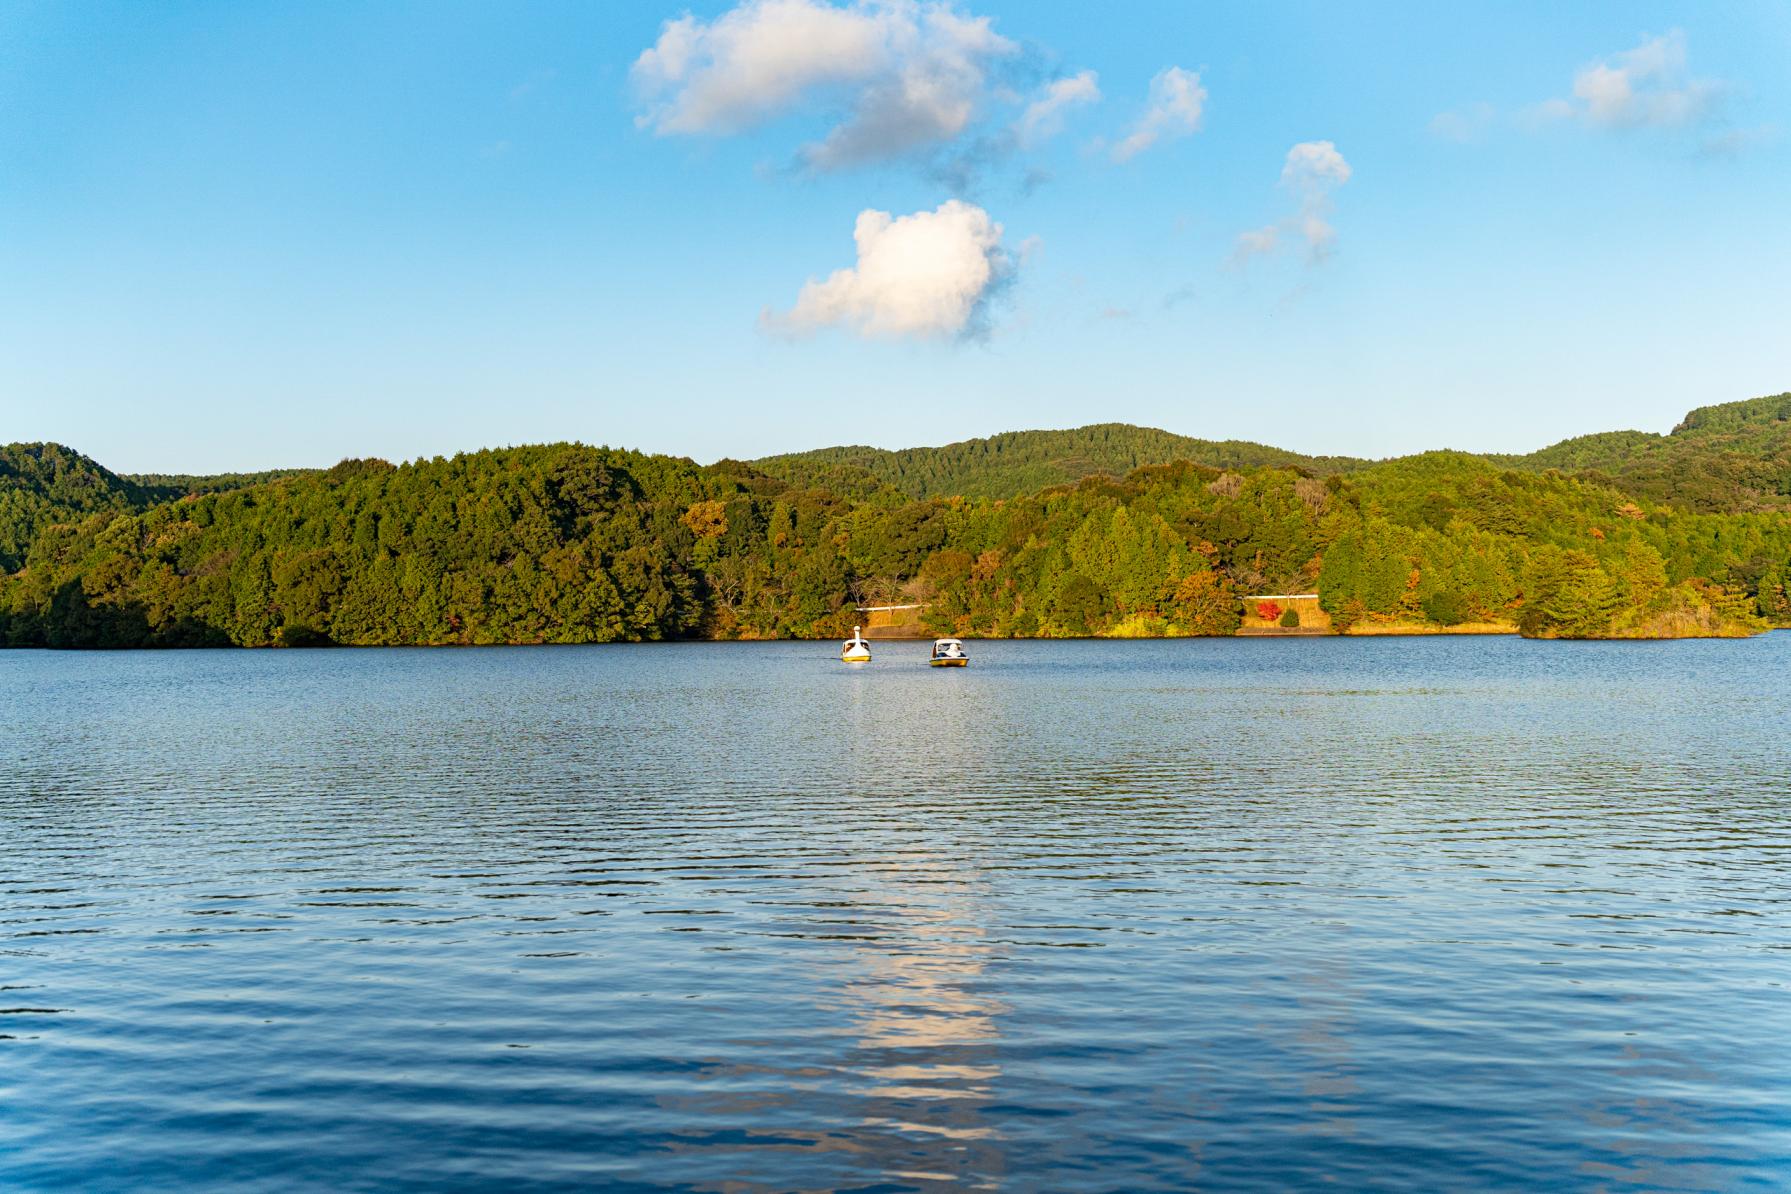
column 240, row 236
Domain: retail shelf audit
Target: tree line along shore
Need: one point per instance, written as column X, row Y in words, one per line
column 1108, row 530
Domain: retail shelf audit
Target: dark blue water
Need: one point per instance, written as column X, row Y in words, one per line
column 1405, row 915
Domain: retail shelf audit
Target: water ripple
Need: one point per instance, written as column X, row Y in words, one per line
column 1386, row 915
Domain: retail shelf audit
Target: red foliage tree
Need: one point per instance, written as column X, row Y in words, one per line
column 1268, row 611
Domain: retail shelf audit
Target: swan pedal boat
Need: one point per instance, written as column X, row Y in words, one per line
column 855, row 649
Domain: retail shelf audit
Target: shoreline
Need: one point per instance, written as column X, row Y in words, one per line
column 1384, row 632
column 1409, row 629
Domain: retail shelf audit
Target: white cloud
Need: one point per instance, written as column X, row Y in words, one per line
column 1312, row 171
column 1176, row 103
column 912, row 74
column 1314, row 166
column 1646, row 87
column 1044, row 116
column 926, row 275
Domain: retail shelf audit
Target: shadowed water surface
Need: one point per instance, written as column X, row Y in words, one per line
column 1236, row 915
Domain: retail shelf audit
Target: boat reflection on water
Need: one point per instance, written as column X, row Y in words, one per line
column 907, row 1064
column 925, row 1059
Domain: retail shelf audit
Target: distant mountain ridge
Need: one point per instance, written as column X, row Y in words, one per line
column 1021, row 462
column 174, row 485
column 1735, row 456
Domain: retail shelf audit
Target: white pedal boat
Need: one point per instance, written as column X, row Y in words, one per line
column 949, row 652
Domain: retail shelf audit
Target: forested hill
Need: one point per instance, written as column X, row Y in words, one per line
column 568, row 543
column 42, row 484
column 176, row 485
column 1732, row 457
column 1023, row 462
column 1735, row 457
column 45, row 483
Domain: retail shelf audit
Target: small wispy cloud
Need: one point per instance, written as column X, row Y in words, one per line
column 1729, row 143
column 1645, row 87
column 1174, row 109
column 1257, row 242
column 1043, row 117
column 1650, row 87
column 1464, row 125
column 1312, row 173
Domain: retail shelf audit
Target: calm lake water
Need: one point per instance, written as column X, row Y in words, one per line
column 1406, row 914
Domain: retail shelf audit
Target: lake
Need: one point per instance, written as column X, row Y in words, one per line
column 1377, row 914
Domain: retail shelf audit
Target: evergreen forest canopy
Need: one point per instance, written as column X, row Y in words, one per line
column 1108, row 529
